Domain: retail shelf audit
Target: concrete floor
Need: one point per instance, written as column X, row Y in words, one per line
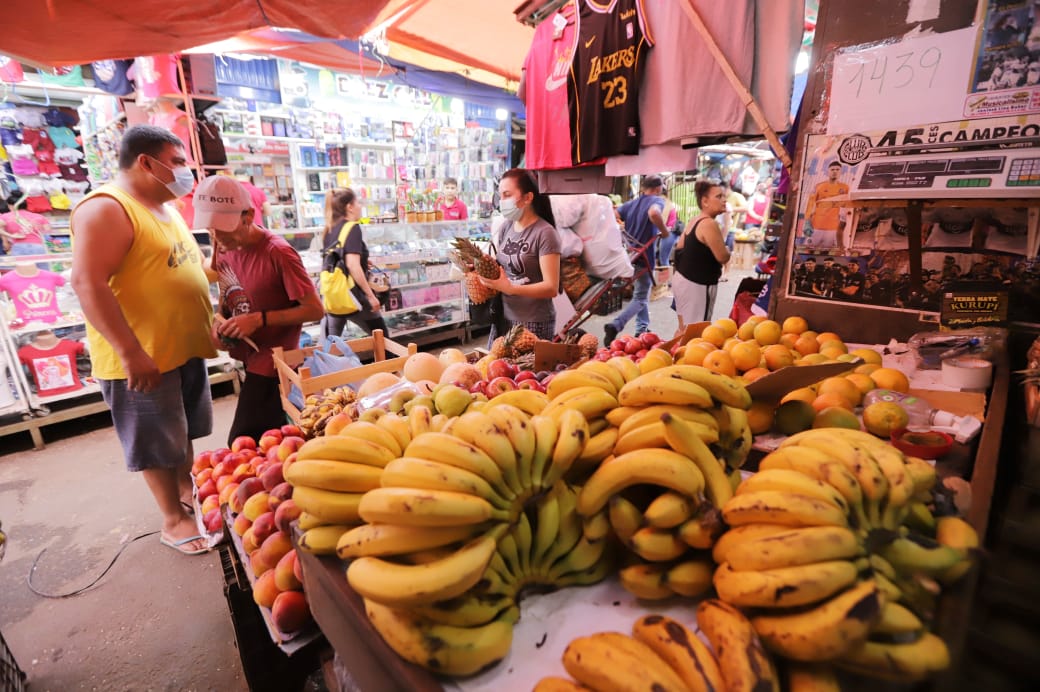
column 157, row 620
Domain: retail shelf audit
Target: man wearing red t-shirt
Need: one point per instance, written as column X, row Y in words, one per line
column 454, row 208
column 266, row 296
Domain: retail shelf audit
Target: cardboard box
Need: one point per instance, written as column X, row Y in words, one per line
column 773, row 386
column 548, row 355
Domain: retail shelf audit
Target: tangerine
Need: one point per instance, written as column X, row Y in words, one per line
column 827, row 336
column 890, row 378
column 862, row 382
column 777, row 356
column 720, row 362
column 801, row 394
column 727, row 325
column 806, row 344
column 760, row 417
column 829, row 399
column 767, row 332
column 795, row 325
column 868, row 355
column 714, row 335
column 754, row 374
column 746, row 355
column 882, row 418
column 695, row 354
column 842, row 386
column 789, row 340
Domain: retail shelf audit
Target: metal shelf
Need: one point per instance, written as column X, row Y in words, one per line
column 417, row 284
column 88, row 388
column 33, row 327
column 402, row 332
column 417, row 308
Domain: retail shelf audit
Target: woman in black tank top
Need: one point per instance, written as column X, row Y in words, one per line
column 701, row 253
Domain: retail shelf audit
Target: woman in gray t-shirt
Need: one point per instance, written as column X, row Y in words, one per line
column 528, row 249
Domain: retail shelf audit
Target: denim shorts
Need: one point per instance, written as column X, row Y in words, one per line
column 155, row 427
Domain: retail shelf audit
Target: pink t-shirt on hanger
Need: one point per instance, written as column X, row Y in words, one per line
column 155, row 75
column 34, row 296
column 25, row 227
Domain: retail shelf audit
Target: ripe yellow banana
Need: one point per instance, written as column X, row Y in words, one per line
column 822, row 467
column 646, row 581
column 466, row 611
column 321, row 540
column 703, row 529
column 922, row 473
column 649, row 436
column 775, row 507
column 481, row 431
column 411, row 472
column 420, row 420
column 507, row 549
column 340, row 448
column 598, row 448
column 655, row 359
column 654, row 388
column 737, row 535
column 793, row 547
column 597, row 425
column 893, row 464
column 570, row 530
column 381, row 540
column 735, row 436
column 453, row 451
column 826, row 631
column 625, row 518
column 591, row 402
column 661, row 467
column 722, row 388
column 841, row 479
column 657, row 545
column 784, row 586
column 524, row 537
column 444, row 649
column 691, row 578
column 626, row 367
column 604, row 370
column 669, row 509
column 618, row 415
column 743, row 661
column 341, row 476
column 574, row 435
column 810, row 677
column 307, row 521
column 572, row 379
column 518, row 428
column 530, row 401
column 547, row 523
column 328, row 506
column 956, row 533
column 597, row 573
column 681, row 436
column 405, row 586
column 687, row 655
column 897, row 619
column 398, row 427
column 419, row 507
column 652, row 414
column 555, row 684
column 612, row 661
column 546, row 432
column 583, row 556
column 915, row 554
column 364, row 430
column 783, row 480
column 898, row 662
column 596, row 527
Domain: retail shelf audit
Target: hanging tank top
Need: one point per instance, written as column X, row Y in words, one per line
column 162, row 292
column 697, row 262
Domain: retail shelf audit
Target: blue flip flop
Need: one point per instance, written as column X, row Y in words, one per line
column 176, row 545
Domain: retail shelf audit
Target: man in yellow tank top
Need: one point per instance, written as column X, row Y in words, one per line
column 138, row 273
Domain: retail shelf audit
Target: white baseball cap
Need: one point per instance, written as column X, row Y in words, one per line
column 219, row 202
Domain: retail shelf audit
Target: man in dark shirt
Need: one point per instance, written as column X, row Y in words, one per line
column 852, row 283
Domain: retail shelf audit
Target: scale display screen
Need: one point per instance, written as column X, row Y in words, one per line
column 1010, row 173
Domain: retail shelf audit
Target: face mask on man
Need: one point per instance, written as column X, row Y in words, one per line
column 510, row 210
column 183, row 181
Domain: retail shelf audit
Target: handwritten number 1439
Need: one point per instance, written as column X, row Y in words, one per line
column 899, row 72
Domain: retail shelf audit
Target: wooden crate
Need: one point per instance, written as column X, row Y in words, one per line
column 290, row 370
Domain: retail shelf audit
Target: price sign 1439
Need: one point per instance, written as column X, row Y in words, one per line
column 888, row 74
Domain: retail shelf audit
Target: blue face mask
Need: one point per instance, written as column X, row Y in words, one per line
column 510, row 210
column 183, row 181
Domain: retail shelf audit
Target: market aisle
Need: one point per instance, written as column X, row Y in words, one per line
column 158, row 620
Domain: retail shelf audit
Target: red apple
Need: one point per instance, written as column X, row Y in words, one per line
column 674, row 349
column 618, row 353
column 286, row 513
column 212, row 520
column 617, row 345
column 500, row 385
column 242, row 442
column 641, row 353
column 288, row 446
column 649, row 339
column 530, row 383
column 279, row 494
column 290, row 430
column 603, row 356
column 270, row 438
column 524, row 375
column 272, row 475
column 633, row 346
column 208, row 488
column 479, row 387
column 500, row 368
column 264, row 526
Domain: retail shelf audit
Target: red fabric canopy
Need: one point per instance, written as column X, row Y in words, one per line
column 72, row 32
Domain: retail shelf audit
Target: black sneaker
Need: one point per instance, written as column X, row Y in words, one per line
column 610, row 333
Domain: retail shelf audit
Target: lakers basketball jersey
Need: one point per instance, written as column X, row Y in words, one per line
column 603, row 86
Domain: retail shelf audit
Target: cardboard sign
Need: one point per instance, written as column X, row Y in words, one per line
column 962, row 309
column 548, row 355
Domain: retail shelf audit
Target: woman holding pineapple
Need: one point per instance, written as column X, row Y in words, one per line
column 528, row 250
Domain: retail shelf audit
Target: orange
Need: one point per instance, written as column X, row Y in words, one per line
column 754, row 374
column 890, row 378
column 811, row 359
column 767, row 332
column 832, row 352
column 720, row 362
column 810, row 334
column 777, row 356
column 862, row 382
column 726, row 325
column 806, row 345
column 882, row 418
column 695, row 354
column 788, row 340
column 746, row 355
column 835, row 344
column 842, row 386
column 746, row 332
column 831, row 399
column 868, row 355
column 866, row 368
column 802, row 394
column 760, row 417
column 728, row 345
column 714, row 335
column 836, row 417
column 827, row 336
column 794, row 325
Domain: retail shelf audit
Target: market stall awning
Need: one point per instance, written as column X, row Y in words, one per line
column 72, row 32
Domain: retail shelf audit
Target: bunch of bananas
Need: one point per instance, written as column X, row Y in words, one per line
column 678, row 431
column 320, row 408
column 818, row 547
column 463, row 520
column 663, row 654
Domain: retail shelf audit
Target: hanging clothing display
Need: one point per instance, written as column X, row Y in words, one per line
column 544, row 90
column 110, row 76
column 155, row 76
column 33, row 295
column 604, row 85
column 53, row 369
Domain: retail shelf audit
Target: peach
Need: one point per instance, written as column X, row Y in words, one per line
column 223, row 482
column 249, row 543
column 246, row 489
column 279, row 494
column 270, row 438
column 242, row 442
column 217, row 455
column 272, row 476
column 290, row 611
column 288, row 446
column 275, row 547
column 242, row 472
column 265, row 590
column 287, row 512
column 211, row 503
column 259, row 565
column 227, row 493
column 202, row 476
column 337, row 423
column 241, row 525
column 263, row 526
column 298, row 569
column 212, row 520
column 255, row 505
column 284, row 573
column 206, row 489
column 290, row 430
column 222, row 468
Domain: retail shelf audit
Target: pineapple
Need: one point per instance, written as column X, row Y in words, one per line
column 498, row 348
column 589, row 345
column 523, row 341
column 469, row 258
column 478, row 293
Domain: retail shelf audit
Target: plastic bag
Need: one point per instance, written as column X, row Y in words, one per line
column 324, row 362
column 604, row 253
column 930, row 348
column 382, row 398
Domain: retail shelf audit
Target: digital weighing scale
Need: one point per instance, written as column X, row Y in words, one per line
column 997, row 174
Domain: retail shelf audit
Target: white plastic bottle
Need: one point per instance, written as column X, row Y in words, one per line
column 923, row 416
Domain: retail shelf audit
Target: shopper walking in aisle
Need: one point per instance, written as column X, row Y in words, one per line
column 528, row 248
column 674, row 226
column 343, row 236
column 700, row 256
column 266, row 297
column 138, row 273
column 644, row 224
